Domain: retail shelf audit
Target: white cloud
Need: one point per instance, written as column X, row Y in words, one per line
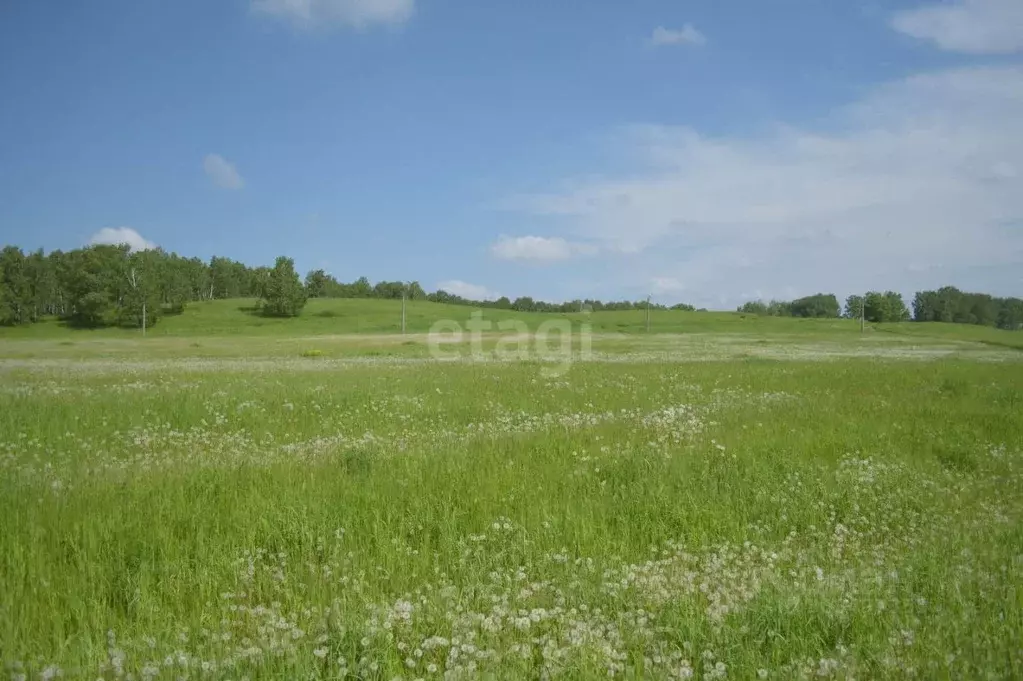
column 222, row 172
column 358, row 14
column 537, row 248
column 926, row 171
column 687, row 35
column 467, row 290
column 972, row 26
column 664, row 285
column 121, row 235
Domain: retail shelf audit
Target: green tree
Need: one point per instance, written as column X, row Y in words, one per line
column 819, row 305
column 979, row 308
column 174, row 280
column 414, row 291
column 389, row 289
column 757, row 307
column 7, row 314
column 283, row 294
column 317, row 284
column 140, row 303
column 524, row 304
column 853, row 307
column 360, row 288
column 949, row 304
column 56, row 262
column 1010, row 314
column 18, row 297
column 95, row 279
column 895, row 306
column 198, row 279
column 40, row 285
column 230, row 279
column 876, row 307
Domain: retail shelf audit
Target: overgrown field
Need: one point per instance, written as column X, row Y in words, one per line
column 649, row 517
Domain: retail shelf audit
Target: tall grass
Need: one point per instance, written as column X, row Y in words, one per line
column 347, row 316
column 629, row 519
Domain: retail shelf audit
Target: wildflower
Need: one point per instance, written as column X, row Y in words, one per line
column 51, row 672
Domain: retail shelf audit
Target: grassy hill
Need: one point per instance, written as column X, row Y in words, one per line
column 958, row 332
column 326, row 317
column 349, row 316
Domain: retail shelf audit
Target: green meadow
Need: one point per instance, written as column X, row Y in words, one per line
column 722, row 496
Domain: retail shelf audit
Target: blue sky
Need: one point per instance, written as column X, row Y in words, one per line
column 708, row 152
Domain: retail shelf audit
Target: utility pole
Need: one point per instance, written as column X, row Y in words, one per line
column 404, row 295
column 648, row 314
column 863, row 312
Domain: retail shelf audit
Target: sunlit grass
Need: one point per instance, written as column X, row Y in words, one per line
column 305, row 518
column 235, row 317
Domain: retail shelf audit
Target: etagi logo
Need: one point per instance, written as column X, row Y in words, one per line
column 556, row 342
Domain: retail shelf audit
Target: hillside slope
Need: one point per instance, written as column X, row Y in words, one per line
column 346, row 316
column 335, row 316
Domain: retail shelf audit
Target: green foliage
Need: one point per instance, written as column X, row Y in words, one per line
column 317, row 283
column 147, row 276
column 17, row 297
column 7, row 314
column 819, row 305
column 230, row 279
column 92, row 287
column 809, row 519
column 282, row 292
column 879, row 307
column 853, row 307
column 176, row 287
column 1010, row 314
column 95, row 280
column 949, row 304
column 757, row 307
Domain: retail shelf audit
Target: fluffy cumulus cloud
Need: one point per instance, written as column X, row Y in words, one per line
column 971, row 26
column 537, row 248
column 467, row 290
column 358, row 14
column 121, row 235
column 687, row 35
column 222, row 172
column 919, row 183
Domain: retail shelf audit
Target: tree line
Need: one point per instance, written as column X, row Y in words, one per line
column 947, row 304
column 107, row 285
column 104, row 285
column 319, row 284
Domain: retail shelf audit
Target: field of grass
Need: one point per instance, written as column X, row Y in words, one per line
column 348, row 316
column 959, row 332
column 755, row 499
